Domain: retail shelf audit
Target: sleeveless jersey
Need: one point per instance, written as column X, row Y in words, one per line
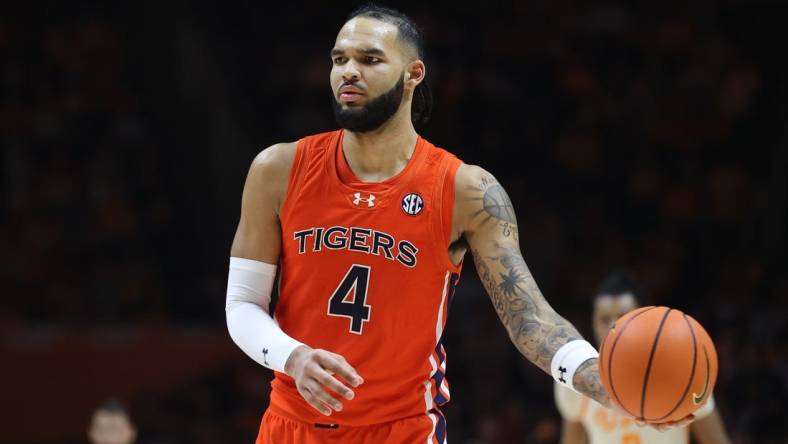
column 365, row 273
column 604, row 426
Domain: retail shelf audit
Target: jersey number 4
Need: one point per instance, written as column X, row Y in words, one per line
column 350, row 298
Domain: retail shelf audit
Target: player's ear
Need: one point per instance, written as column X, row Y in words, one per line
column 415, row 73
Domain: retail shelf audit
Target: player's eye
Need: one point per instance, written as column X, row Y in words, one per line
column 339, row 60
column 373, row 60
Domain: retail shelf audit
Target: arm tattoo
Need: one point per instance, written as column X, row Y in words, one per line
column 533, row 326
column 496, row 207
column 536, row 330
column 587, row 381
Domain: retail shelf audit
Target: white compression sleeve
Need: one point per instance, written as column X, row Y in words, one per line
column 249, row 287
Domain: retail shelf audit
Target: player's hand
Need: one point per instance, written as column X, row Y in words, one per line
column 664, row 426
column 313, row 371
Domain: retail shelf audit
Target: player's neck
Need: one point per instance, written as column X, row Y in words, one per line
column 381, row 154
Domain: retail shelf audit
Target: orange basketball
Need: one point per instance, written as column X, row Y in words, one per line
column 658, row 364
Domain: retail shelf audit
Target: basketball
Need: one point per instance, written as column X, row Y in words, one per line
column 658, row 364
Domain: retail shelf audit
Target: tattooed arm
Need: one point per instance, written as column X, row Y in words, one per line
column 485, row 219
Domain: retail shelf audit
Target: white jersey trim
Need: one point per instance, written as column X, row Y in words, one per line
column 428, row 401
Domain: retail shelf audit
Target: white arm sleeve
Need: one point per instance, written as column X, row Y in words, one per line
column 249, row 287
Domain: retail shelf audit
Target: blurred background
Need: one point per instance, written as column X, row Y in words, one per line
column 648, row 135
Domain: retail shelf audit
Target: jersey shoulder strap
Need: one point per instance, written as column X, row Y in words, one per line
column 310, row 150
column 445, row 165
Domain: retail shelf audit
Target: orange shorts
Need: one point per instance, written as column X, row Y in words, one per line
column 427, row 429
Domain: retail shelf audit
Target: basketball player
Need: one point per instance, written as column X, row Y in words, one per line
column 586, row 422
column 110, row 424
column 368, row 226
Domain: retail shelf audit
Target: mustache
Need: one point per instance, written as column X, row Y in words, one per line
column 353, row 83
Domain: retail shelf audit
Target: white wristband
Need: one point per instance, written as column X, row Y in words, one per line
column 568, row 358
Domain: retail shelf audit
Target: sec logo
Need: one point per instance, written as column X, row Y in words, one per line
column 412, row 204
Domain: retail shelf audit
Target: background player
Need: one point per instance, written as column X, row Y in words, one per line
column 111, row 424
column 586, row 422
column 370, row 225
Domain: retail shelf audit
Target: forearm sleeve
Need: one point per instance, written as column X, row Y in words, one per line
column 250, row 326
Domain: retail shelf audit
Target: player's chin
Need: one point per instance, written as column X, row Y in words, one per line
column 350, row 105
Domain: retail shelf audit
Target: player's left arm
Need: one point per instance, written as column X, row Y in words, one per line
column 486, row 219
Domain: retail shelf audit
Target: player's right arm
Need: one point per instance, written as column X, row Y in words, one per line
column 254, row 258
column 259, row 235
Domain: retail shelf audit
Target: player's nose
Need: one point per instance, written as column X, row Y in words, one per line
column 351, row 72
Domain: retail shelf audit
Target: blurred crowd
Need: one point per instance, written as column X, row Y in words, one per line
column 638, row 134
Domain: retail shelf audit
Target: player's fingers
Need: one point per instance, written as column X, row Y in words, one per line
column 665, row 426
column 332, row 383
column 314, row 401
column 340, row 367
column 687, row 421
column 324, row 397
column 680, row 423
column 317, row 403
column 337, row 356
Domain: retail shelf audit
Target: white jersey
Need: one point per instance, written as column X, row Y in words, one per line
column 604, row 426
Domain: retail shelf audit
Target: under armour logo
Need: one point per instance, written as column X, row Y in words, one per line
column 561, row 378
column 358, row 199
column 265, row 356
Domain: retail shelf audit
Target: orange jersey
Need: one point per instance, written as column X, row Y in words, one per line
column 365, row 273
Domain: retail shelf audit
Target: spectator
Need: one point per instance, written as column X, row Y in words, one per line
column 111, row 424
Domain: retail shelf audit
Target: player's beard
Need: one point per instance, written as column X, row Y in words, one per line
column 372, row 115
